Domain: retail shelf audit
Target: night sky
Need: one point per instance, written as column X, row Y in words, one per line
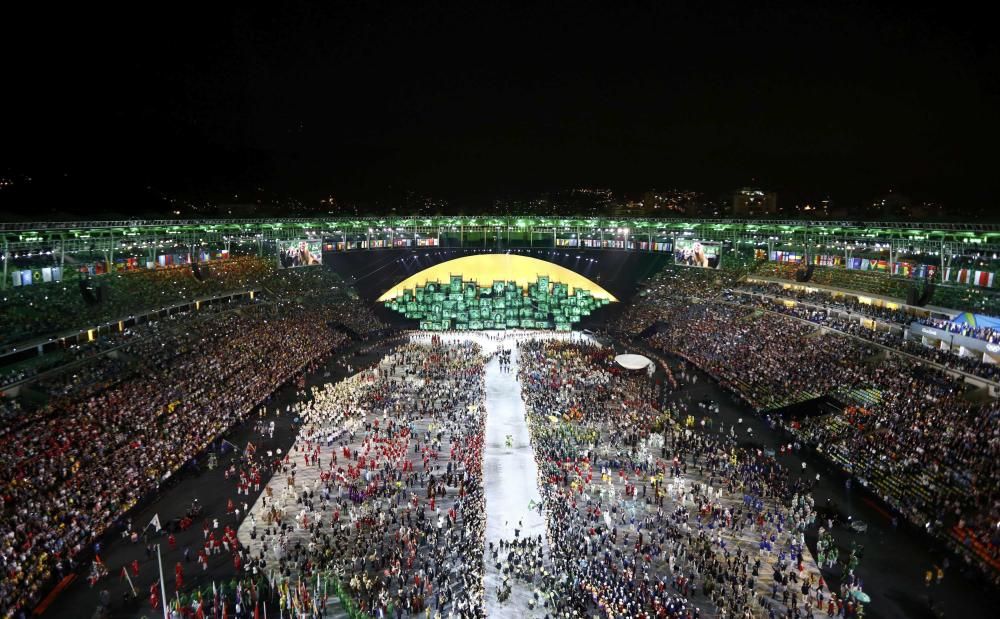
column 469, row 102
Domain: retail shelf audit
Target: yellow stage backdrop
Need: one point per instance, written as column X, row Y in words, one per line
column 484, row 269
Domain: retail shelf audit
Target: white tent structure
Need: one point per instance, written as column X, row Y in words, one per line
column 633, row 362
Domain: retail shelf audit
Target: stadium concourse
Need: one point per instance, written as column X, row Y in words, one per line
column 289, row 452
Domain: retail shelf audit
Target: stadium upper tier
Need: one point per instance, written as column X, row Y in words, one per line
column 951, row 238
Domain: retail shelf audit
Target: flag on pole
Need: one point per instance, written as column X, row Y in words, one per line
column 129, row 579
column 155, row 522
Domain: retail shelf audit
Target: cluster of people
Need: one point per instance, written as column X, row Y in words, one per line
column 51, row 308
column 71, row 468
column 880, row 335
column 55, row 307
column 926, row 449
column 828, row 299
column 955, row 296
column 383, row 486
column 671, row 286
column 649, row 519
column 325, row 287
column 503, row 357
column 988, row 334
column 768, row 360
column 969, row 364
column 874, row 282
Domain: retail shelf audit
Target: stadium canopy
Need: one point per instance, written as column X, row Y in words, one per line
column 953, row 238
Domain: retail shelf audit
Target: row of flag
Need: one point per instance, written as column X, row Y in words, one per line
column 983, row 279
column 913, row 270
column 28, row 277
column 867, row 264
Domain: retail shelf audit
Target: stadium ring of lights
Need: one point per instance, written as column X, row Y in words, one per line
column 971, row 239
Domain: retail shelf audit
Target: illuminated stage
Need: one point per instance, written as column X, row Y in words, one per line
column 496, row 291
column 484, row 269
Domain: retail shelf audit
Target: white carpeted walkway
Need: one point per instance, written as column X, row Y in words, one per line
column 510, row 474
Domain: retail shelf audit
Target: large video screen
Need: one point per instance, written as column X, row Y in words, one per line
column 300, row 253
column 695, row 253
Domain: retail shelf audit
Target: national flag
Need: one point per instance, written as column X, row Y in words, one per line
column 964, row 276
column 155, row 522
column 984, row 279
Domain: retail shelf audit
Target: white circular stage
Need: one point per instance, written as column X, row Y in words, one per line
column 633, row 362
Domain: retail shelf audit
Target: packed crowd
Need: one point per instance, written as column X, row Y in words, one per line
column 649, row 519
column 73, row 467
column 321, row 286
column 673, row 289
column 828, row 299
column 980, row 333
column 51, row 308
column 670, row 287
column 767, row 360
column 962, row 297
column 383, row 486
column 969, row 364
column 84, row 364
column 927, row 450
column 877, row 333
column 838, row 277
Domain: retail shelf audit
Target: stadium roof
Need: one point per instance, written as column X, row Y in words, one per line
column 959, row 237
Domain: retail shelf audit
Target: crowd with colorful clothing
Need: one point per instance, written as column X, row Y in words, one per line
column 383, row 486
column 924, row 447
column 71, row 468
column 647, row 518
